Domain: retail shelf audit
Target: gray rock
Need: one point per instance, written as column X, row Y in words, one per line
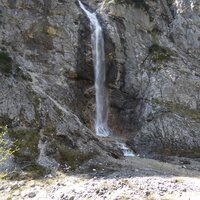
column 160, row 111
column 31, row 194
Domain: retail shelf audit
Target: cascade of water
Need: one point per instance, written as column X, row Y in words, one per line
column 99, row 68
column 125, row 149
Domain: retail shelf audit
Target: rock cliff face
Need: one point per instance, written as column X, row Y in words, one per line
column 153, row 75
column 157, row 50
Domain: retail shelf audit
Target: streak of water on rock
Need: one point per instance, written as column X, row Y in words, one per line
column 97, row 40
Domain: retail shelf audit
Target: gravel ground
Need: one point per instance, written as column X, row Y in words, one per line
column 121, row 180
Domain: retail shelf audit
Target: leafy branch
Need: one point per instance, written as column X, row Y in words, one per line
column 7, row 147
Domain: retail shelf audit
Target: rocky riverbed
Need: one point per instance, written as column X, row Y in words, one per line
column 132, row 178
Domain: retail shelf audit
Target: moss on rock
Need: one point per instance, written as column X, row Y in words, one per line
column 189, row 153
column 73, row 157
column 179, row 109
column 159, row 53
column 34, row 171
column 27, row 143
column 69, row 154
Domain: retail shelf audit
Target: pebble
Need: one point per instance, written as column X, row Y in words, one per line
column 2, row 188
column 97, row 191
column 147, row 193
column 31, row 194
column 14, row 185
column 184, row 190
column 103, row 188
column 161, row 194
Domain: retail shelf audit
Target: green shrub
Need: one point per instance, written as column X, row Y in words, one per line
column 7, row 147
column 27, row 142
column 159, row 53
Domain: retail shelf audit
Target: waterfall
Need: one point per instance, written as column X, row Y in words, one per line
column 125, row 149
column 97, row 41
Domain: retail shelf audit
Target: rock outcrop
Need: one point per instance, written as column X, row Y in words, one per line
column 156, row 54
column 42, row 88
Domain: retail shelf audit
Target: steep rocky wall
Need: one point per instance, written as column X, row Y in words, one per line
column 43, row 84
column 157, row 48
column 152, row 55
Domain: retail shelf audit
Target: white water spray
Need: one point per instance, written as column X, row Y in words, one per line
column 99, row 68
column 125, row 149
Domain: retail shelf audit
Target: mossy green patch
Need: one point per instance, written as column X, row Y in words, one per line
column 179, row 109
column 33, row 97
column 27, row 143
column 73, row 157
column 174, row 151
column 5, row 63
column 28, row 172
column 35, row 171
column 159, row 53
column 69, row 154
column 7, row 147
column 157, row 68
column 192, row 153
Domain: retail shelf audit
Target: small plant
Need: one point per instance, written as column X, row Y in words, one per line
column 159, row 53
column 7, row 147
column 26, row 141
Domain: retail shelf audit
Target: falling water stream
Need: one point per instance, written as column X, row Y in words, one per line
column 97, row 39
